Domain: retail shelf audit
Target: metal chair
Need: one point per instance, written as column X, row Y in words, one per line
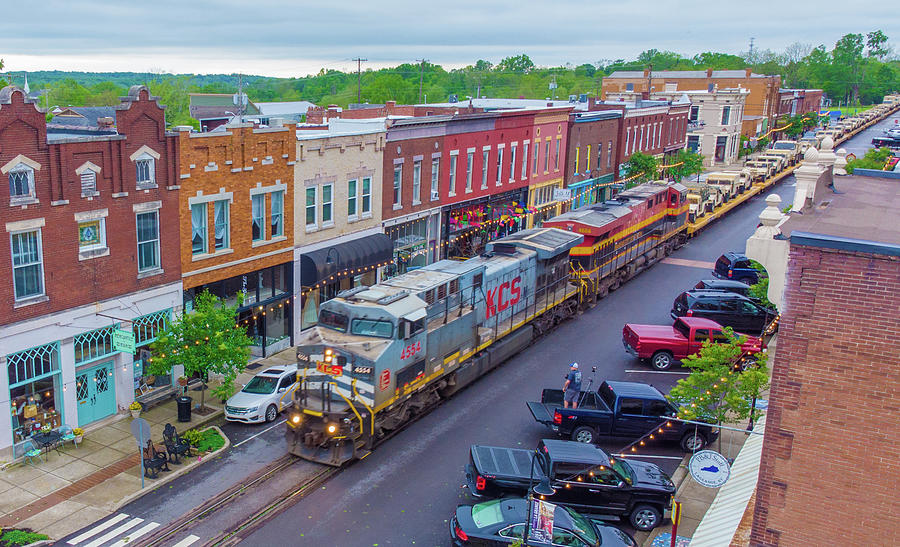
column 32, row 451
column 68, row 434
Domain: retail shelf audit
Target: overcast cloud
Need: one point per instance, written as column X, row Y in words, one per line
column 282, row 38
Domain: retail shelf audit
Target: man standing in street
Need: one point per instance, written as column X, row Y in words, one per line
column 572, row 388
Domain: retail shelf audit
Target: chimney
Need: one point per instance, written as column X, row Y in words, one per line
column 105, row 122
column 748, row 72
column 645, row 95
column 315, row 114
column 549, row 104
column 333, row 111
column 709, row 73
column 592, row 102
column 646, row 73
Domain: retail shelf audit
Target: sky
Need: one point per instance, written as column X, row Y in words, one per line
column 283, row 38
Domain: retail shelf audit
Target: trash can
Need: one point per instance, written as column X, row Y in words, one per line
column 184, row 408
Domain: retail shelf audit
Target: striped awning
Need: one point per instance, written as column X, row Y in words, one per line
column 721, row 520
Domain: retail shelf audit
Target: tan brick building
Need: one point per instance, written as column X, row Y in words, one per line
column 237, row 224
column 339, row 243
column 760, row 109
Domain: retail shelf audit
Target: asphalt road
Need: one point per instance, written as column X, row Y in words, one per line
column 405, row 492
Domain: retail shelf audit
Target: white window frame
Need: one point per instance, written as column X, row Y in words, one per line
column 547, row 156
column 312, row 191
column 499, row 181
column 627, row 139
column 435, row 178
column 352, row 200
column 470, row 160
column 154, row 242
column 609, row 156
column 226, row 241
column 556, row 157
column 485, row 166
column 512, row 161
column 365, row 198
column 525, row 159
column 262, row 219
column 273, row 214
column 454, row 161
column 398, row 186
column 101, row 228
column 203, row 229
column 29, row 180
column 39, row 263
column 150, row 161
column 417, row 182
column 329, row 204
column 535, row 152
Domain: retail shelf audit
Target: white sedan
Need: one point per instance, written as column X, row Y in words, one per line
column 267, row 394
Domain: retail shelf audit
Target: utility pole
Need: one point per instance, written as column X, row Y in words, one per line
column 421, row 75
column 359, row 62
column 750, row 53
column 649, row 77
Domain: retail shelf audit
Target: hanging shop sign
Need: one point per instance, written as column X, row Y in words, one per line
column 123, row 340
column 709, row 468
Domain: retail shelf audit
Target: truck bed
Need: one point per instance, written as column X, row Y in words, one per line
column 503, row 463
column 551, row 399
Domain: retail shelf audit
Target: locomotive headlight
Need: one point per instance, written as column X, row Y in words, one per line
column 332, row 429
column 295, row 419
column 329, row 355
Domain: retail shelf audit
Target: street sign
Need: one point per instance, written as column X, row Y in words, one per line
column 562, row 194
column 140, row 428
column 123, row 340
column 709, row 468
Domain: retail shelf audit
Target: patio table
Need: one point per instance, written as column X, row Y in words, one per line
column 49, row 440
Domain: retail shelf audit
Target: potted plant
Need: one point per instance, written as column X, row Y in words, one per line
column 135, row 409
column 182, row 381
column 79, row 434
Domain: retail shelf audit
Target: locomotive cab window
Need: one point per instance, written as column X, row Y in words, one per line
column 412, row 328
column 379, row 328
column 674, row 200
column 332, row 320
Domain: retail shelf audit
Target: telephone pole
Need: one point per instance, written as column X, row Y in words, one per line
column 750, row 54
column 359, row 62
column 421, row 75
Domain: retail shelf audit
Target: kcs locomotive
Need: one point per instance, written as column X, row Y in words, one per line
column 382, row 354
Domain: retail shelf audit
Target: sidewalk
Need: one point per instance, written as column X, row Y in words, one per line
column 82, row 484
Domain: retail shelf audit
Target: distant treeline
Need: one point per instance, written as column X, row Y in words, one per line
column 859, row 69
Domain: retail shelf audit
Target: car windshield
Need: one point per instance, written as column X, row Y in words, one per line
column 582, row 526
column 260, row 385
column 622, row 468
column 372, row 327
column 487, row 513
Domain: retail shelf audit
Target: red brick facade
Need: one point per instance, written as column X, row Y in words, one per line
column 829, row 467
column 72, row 278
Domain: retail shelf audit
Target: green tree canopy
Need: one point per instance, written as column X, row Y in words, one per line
column 642, row 166
column 690, row 162
column 206, row 340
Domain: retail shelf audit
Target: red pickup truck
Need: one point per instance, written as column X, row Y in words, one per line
column 662, row 344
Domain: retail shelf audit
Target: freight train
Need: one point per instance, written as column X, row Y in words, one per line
column 383, row 354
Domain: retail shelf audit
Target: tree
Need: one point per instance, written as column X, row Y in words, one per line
column 848, row 57
column 643, row 167
column 875, row 158
column 876, row 44
column 690, row 162
column 519, row 63
column 716, row 389
column 205, row 340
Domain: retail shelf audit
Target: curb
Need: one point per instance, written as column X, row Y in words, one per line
column 678, row 478
column 177, row 473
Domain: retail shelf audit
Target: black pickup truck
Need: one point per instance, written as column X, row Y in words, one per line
column 619, row 409
column 583, row 477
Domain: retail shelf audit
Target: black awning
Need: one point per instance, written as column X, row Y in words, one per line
column 358, row 253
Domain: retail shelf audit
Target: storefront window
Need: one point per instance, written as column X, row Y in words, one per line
column 410, row 245
column 281, row 280
column 146, row 328
column 34, row 390
column 276, row 324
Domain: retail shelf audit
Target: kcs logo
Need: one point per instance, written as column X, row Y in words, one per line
column 514, row 291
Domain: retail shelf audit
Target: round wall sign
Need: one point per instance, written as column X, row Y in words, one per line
column 709, row 468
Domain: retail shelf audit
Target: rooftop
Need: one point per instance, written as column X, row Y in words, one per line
column 674, row 74
column 860, row 216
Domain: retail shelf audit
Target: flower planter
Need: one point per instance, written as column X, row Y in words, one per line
column 135, row 413
column 78, row 439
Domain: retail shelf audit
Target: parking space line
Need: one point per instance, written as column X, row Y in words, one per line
column 642, row 371
column 260, row 433
column 649, row 456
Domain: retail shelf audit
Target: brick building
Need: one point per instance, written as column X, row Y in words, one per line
column 237, row 224
column 338, row 238
column 593, row 161
column 761, row 109
column 322, row 114
column 654, row 127
column 91, row 225
column 832, row 409
column 548, row 162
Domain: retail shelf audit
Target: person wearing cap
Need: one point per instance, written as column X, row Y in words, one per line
column 572, row 387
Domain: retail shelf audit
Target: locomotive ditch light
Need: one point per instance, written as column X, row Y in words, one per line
column 295, row 419
column 331, row 429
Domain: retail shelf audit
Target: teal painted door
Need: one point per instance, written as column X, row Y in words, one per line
column 95, row 393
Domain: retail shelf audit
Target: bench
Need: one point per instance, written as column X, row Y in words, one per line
column 175, row 445
column 154, row 461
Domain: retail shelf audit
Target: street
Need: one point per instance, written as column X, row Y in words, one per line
column 405, row 492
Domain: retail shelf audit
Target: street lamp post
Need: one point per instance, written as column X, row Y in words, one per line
column 542, row 488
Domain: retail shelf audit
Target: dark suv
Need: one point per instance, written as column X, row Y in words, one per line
column 726, row 308
column 737, row 267
column 726, row 285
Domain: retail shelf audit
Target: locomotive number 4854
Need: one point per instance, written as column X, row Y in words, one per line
column 411, row 350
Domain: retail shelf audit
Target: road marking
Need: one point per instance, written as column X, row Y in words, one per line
column 649, row 456
column 97, row 529
column 191, row 539
column 136, row 534
column 689, row 263
column 273, row 426
column 642, row 371
column 118, row 531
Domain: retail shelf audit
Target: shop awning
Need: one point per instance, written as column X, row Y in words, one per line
column 358, row 253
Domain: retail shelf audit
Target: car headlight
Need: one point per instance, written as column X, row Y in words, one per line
column 252, row 408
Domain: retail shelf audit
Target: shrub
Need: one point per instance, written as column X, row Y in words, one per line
column 204, row 441
column 192, row 436
column 15, row 538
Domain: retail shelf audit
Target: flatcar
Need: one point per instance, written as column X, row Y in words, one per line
column 381, row 355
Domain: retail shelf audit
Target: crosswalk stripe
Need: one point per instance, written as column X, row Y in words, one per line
column 97, row 529
column 136, row 534
column 190, row 540
column 118, row 531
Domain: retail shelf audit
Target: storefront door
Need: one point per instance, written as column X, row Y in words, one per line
column 95, row 392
